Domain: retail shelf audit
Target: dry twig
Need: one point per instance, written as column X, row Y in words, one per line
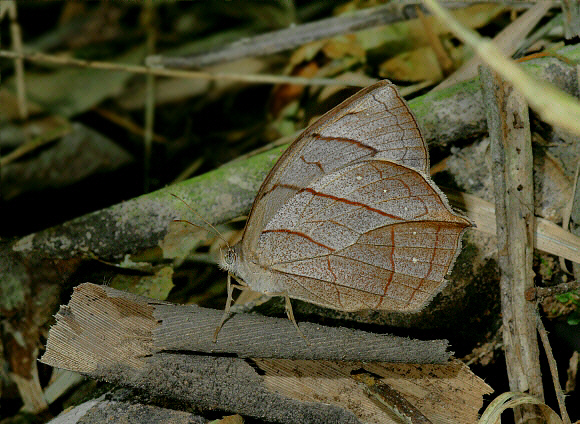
column 176, row 73
column 511, row 149
column 539, row 293
column 16, row 35
column 296, row 35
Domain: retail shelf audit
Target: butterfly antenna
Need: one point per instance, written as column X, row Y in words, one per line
column 200, row 217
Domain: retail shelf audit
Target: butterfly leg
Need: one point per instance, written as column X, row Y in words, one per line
column 226, row 315
column 289, row 312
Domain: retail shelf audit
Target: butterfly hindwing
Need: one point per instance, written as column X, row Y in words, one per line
column 373, row 235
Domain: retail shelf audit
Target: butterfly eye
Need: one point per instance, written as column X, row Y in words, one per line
column 230, row 257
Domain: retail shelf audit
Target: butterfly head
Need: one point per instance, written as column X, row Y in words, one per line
column 229, row 259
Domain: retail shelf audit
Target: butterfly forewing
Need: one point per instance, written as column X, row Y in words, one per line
column 374, row 123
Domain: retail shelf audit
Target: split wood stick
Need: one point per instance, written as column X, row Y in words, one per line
column 142, row 327
column 110, row 335
column 191, row 328
column 511, row 148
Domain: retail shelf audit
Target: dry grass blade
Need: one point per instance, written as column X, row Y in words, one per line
column 553, row 370
column 16, row 35
column 507, row 40
column 508, row 400
column 549, row 237
column 553, row 105
column 35, row 144
column 568, row 214
column 147, row 16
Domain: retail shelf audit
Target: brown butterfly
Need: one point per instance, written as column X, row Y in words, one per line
column 348, row 218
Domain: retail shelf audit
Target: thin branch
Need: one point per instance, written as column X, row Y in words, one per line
column 298, row 35
column 291, row 37
column 126, row 123
column 16, row 35
column 539, row 293
column 572, row 372
column 553, row 370
column 43, row 139
column 147, row 17
column 175, row 73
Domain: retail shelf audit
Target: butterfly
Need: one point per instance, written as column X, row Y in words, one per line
column 348, row 218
